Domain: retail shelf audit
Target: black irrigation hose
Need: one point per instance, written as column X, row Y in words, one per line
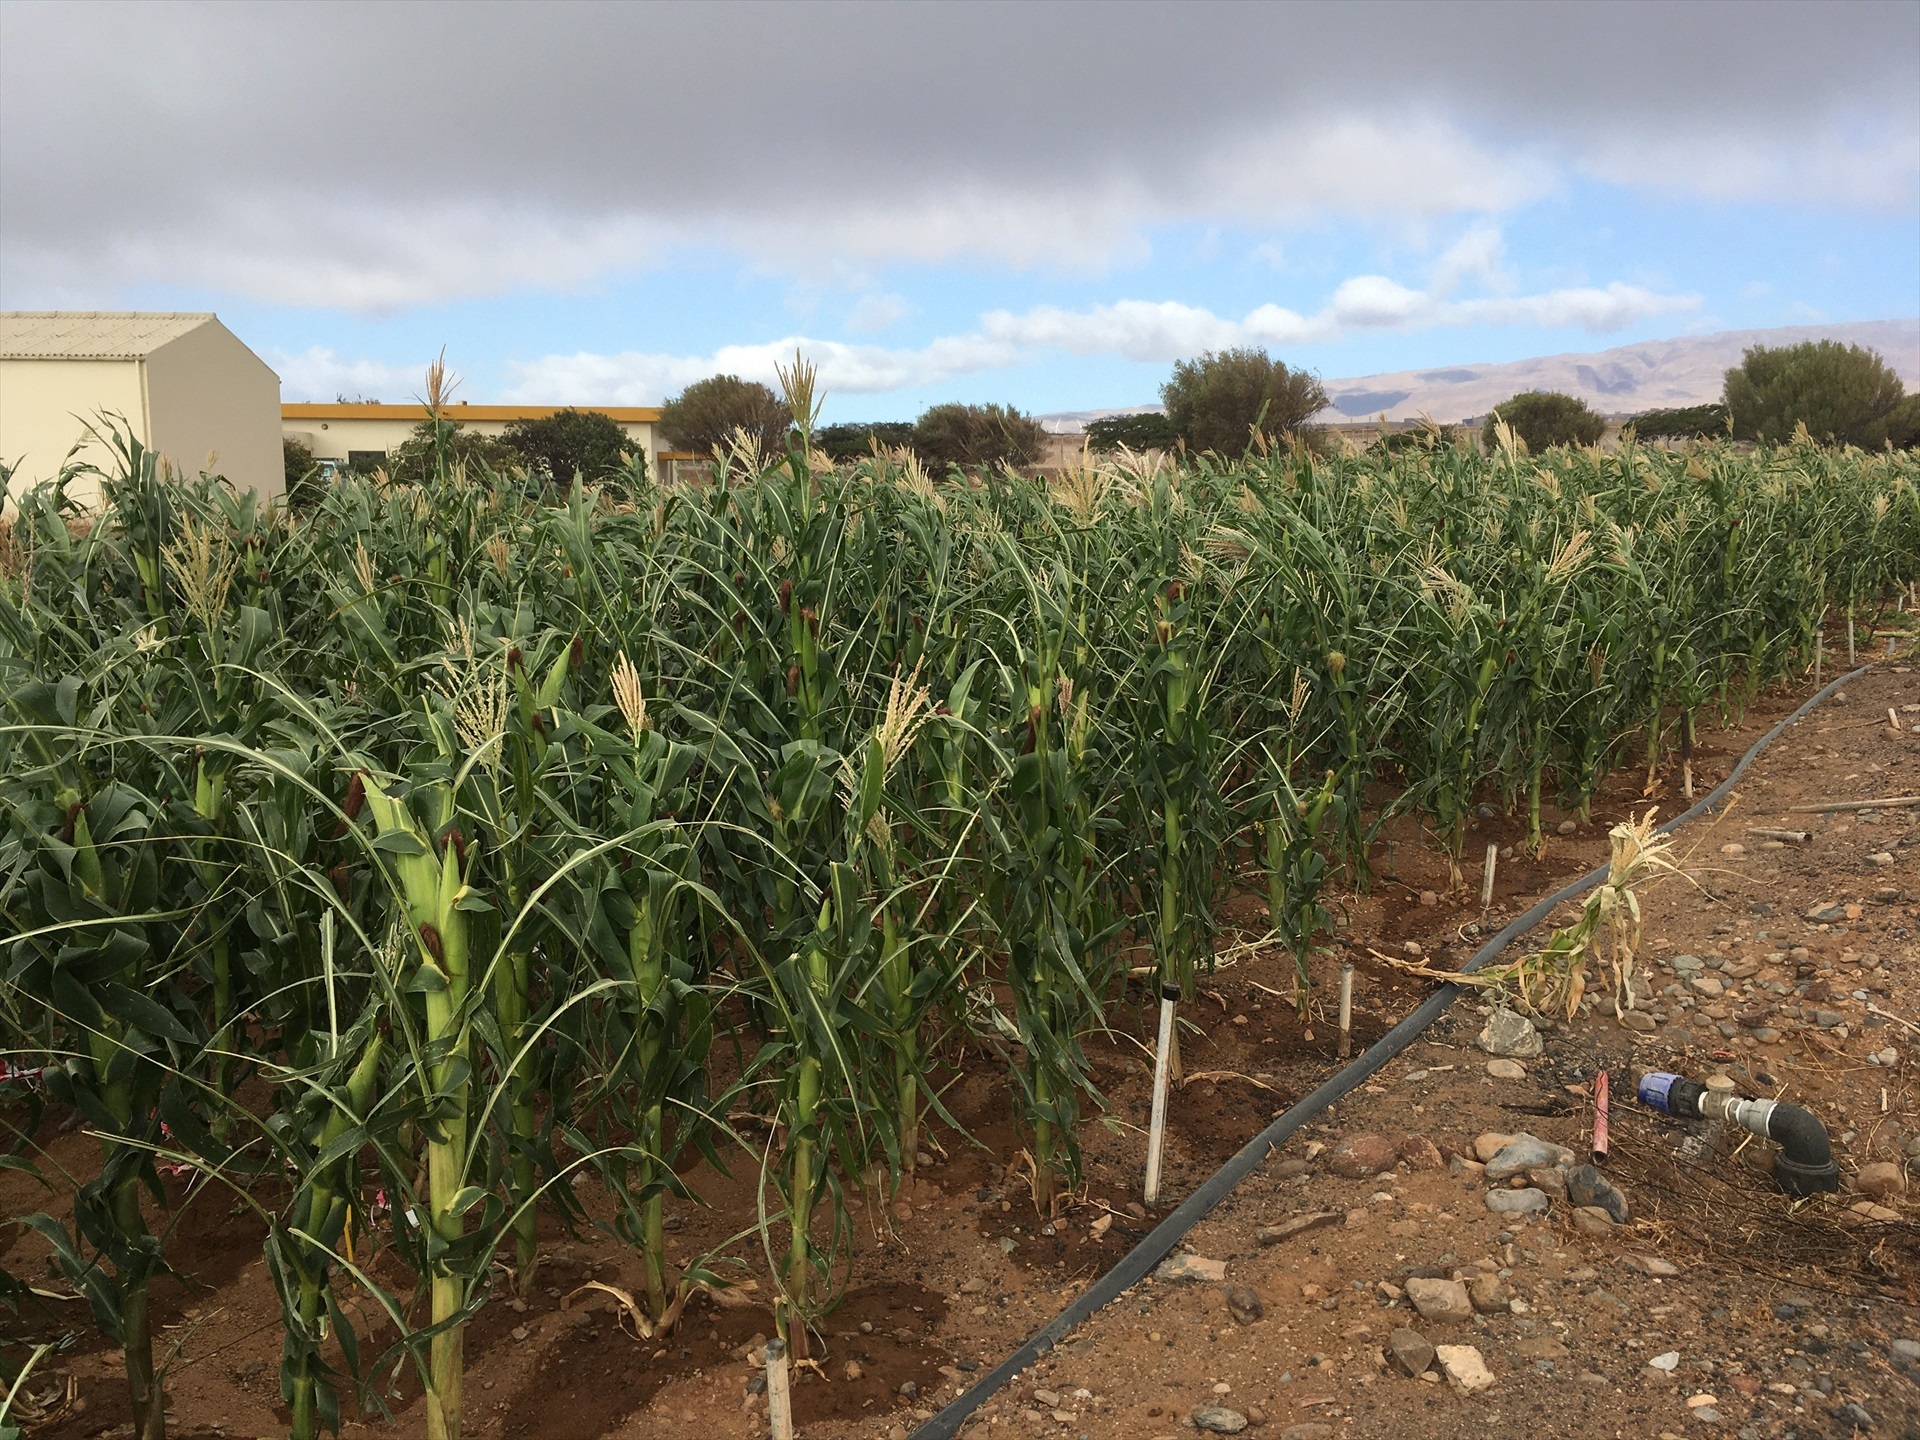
column 1134, row 1266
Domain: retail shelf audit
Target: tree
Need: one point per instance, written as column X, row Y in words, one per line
column 1215, row 402
column 850, row 442
column 414, row 460
column 1151, row 431
column 1899, row 427
column 707, row 412
column 1545, row 418
column 556, row 447
column 1691, row 422
column 973, row 435
column 1837, row 391
column 301, row 470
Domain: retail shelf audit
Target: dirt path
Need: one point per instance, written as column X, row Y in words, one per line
column 953, row 1274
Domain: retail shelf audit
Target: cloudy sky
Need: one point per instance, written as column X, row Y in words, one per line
column 1044, row 204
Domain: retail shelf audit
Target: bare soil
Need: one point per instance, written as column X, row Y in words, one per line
column 1783, row 1317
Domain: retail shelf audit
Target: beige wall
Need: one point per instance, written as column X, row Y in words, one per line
column 204, row 393
column 208, row 394
column 333, row 438
column 46, row 407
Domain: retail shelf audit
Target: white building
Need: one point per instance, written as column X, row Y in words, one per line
column 365, row 432
column 182, row 383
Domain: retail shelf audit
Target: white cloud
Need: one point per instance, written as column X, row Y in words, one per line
column 1130, row 329
column 874, row 313
column 319, row 375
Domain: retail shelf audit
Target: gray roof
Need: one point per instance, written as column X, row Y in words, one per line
column 91, row 334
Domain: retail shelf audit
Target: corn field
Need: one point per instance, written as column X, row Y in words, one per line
column 397, row 862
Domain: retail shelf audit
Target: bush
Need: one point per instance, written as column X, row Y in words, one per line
column 1137, row 432
column 850, row 442
column 707, row 412
column 1691, row 422
column 1899, row 427
column 301, row 471
column 414, row 461
column 1421, row 438
column 1837, row 391
column 556, row 447
column 1545, row 418
column 973, row 435
column 1215, row 402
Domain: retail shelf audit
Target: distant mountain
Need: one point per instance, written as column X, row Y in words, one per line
column 1652, row 375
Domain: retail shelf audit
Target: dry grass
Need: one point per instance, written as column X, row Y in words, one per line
column 1725, row 1212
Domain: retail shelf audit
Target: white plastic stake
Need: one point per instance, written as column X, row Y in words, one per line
column 1346, row 1009
column 1486, row 875
column 779, row 1402
column 1157, row 1126
column 326, row 964
column 1850, row 657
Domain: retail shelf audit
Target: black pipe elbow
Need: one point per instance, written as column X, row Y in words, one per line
column 1805, row 1163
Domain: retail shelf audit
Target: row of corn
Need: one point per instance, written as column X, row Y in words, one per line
column 389, row 867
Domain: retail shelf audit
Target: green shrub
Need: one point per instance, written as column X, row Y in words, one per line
column 556, row 447
column 1899, row 427
column 851, row 442
column 1216, row 401
column 1690, row 422
column 1420, row 438
column 1546, row 418
column 707, row 412
column 972, row 435
column 301, row 472
column 1837, row 391
column 1151, row 431
column 414, row 460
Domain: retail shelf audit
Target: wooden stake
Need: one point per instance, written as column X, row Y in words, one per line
column 1346, row 1010
column 1157, row 1126
column 1486, row 875
column 779, row 1402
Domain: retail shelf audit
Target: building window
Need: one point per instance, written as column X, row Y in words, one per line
column 366, row 461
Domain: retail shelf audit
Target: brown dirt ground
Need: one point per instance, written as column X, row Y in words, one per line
column 959, row 1270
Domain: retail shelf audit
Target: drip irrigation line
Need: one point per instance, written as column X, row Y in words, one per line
column 1159, row 1242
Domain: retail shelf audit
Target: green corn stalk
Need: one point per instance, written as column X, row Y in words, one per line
column 431, row 887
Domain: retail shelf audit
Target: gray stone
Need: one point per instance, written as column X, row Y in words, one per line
column 1219, row 1420
column 1309, row 1430
column 1586, row 1186
column 1489, row 1293
column 1523, row 1153
column 1907, row 1349
column 1439, row 1299
column 1592, row 1220
column 1549, row 1180
column 1243, row 1303
column 1412, row 1352
column 1638, row 1020
column 1666, row 1362
column 1510, row 1034
column 1650, row 1265
column 1506, row 1070
column 1518, row 1202
column 1192, row 1267
column 1827, row 1019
